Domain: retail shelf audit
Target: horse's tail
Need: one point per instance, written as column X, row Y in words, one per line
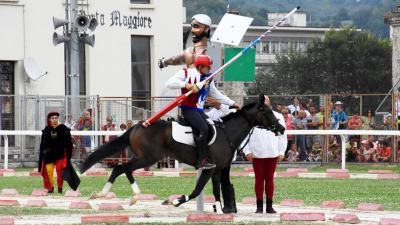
column 108, row 149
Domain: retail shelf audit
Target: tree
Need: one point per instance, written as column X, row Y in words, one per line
column 344, row 62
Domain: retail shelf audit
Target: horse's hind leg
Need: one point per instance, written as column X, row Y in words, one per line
column 201, row 182
column 117, row 170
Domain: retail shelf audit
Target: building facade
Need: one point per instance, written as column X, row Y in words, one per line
column 129, row 38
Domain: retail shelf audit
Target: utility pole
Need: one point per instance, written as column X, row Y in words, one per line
column 74, row 61
column 75, row 22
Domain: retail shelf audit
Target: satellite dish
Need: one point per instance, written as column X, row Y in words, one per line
column 33, row 71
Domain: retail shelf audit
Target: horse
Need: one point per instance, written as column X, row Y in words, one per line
column 152, row 143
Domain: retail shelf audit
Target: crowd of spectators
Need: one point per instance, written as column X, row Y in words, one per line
column 311, row 148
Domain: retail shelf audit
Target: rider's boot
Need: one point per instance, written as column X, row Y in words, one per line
column 202, row 152
column 202, row 160
column 228, row 193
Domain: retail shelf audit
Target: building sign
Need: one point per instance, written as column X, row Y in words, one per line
column 118, row 19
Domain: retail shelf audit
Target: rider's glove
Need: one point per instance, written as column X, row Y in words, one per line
column 161, row 63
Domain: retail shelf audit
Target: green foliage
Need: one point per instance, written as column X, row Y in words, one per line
column 345, row 61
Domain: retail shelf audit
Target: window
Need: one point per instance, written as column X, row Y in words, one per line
column 284, row 46
column 7, row 98
column 140, row 1
column 275, row 47
column 141, row 72
column 265, row 48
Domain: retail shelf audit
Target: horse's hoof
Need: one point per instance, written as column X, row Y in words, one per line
column 217, row 208
column 166, row 202
column 179, row 201
column 93, row 196
column 97, row 195
column 176, row 203
column 133, row 200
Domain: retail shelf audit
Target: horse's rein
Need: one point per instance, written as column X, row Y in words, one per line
column 240, row 150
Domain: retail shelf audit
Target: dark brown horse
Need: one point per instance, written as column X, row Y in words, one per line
column 151, row 144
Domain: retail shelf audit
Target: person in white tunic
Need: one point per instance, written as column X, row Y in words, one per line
column 264, row 150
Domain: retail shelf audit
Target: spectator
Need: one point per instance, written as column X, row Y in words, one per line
column 55, row 151
column 368, row 121
column 122, row 127
column 86, row 140
column 295, row 107
column 309, row 103
column 339, row 118
column 129, row 124
column 86, row 116
column 322, row 120
column 366, row 151
column 305, row 109
column 292, row 153
column 388, row 123
column 300, row 123
column 398, row 151
column 86, row 124
column 109, row 126
column 70, row 123
column 316, row 152
column 397, row 105
column 288, row 123
column 353, row 153
column 322, row 125
column 355, row 123
column 264, row 149
column 312, row 124
column 384, row 153
column 279, row 108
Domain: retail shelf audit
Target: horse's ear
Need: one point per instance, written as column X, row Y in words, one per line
column 261, row 100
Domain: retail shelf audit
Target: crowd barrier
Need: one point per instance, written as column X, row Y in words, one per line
column 341, row 133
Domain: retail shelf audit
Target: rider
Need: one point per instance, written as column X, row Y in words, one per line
column 192, row 106
column 201, row 28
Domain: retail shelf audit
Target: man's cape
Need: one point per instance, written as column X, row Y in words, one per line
column 69, row 174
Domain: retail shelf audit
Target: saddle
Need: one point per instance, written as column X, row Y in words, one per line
column 182, row 132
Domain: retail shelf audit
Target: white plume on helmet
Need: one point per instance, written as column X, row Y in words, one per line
column 203, row 19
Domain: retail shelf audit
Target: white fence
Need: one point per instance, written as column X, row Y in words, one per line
column 341, row 133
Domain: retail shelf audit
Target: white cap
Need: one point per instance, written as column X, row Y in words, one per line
column 338, row 103
column 203, row 19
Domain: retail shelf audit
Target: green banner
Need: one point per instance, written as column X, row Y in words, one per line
column 243, row 69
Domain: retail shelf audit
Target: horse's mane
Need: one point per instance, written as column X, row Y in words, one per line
column 237, row 113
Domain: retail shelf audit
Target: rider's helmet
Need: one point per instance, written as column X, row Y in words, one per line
column 203, row 60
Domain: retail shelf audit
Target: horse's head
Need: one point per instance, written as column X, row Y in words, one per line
column 261, row 115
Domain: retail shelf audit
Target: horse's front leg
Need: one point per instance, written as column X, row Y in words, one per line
column 201, row 182
column 216, row 186
column 134, row 186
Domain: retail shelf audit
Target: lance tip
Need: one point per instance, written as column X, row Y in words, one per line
column 298, row 7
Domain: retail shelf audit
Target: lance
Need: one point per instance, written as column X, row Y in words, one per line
column 179, row 99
